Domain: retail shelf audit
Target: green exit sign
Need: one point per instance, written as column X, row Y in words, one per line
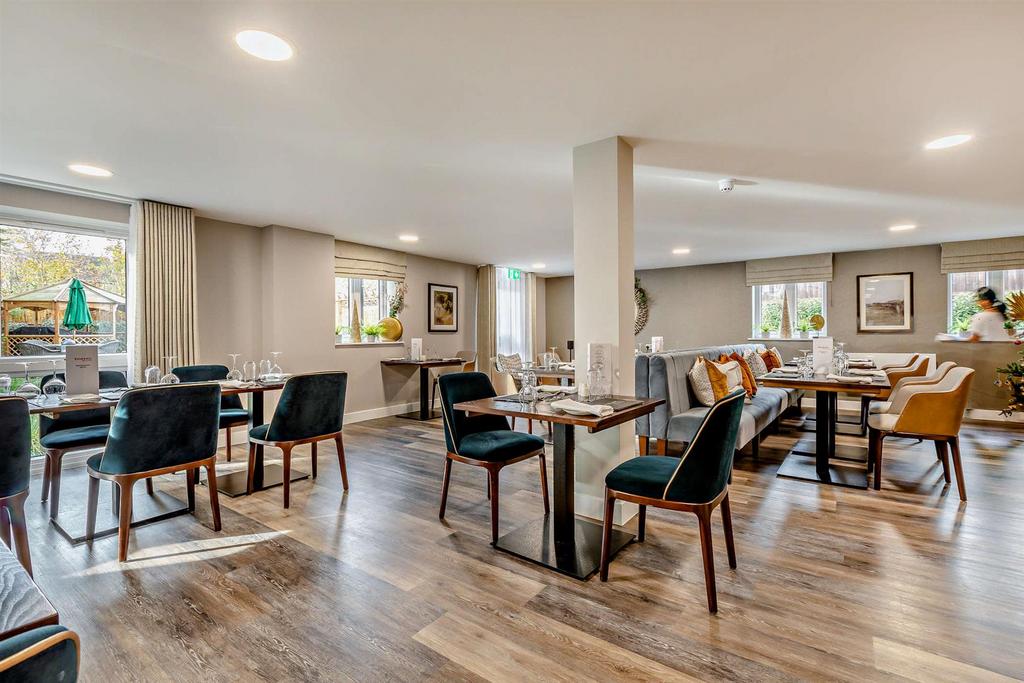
column 514, row 273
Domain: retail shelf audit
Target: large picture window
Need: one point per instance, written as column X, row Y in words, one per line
column 512, row 329
column 805, row 299
column 962, row 287
column 369, row 297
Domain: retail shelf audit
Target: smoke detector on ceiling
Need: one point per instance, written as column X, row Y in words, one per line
column 725, row 185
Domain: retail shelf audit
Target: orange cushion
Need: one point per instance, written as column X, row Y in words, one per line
column 719, row 381
column 749, row 381
column 769, row 360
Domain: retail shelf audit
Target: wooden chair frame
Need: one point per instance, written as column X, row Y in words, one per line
column 124, row 483
column 701, row 510
column 943, row 445
column 493, row 468
column 40, row 647
column 286, row 448
column 12, row 521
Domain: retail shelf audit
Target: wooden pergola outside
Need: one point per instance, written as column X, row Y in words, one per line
column 49, row 303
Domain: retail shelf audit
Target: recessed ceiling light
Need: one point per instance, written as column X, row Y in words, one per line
column 538, row 266
column 409, row 238
column 949, row 141
column 681, row 250
column 264, row 45
column 90, row 170
column 902, row 228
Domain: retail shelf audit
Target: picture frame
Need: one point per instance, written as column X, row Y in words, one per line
column 885, row 303
column 442, row 308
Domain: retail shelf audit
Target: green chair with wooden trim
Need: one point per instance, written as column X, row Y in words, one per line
column 15, row 472
column 232, row 413
column 47, row 653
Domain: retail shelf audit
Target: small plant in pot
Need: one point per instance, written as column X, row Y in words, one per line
column 766, row 330
column 804, row 328
column 372, row 332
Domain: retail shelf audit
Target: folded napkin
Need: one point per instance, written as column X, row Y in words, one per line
column 847, row 378
column 81, row 398
column 233, row 383
column 555, row 389
column 866, row 373
column 569, row 405
column 567, row 366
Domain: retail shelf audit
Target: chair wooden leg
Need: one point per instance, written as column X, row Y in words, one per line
column 707, row 552
column 312, row 459
column 90, row 507
column 433, row 393
column 124, row 520
column 190, row 489
column 529, row 426
column 5, row 525
column 544, row 483
column 954, row 444
column 341, row 461
column 445, row 480
column 606, row 532
column 730, row 546
column 661, row 447
column 641, row 524
column 211, row 483
column 878, row 441
column 16, row 514
column 227, row 443
column 286, row 483
column 252, row 468
column 942, row 453
column 115, row 499
column 45, row 493
column 644, row 445
column 149, row 486
column 513, row 423
column 56, row 460
column 492, row 481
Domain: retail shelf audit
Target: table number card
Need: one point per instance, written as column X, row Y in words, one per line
column 416, row 349
column 657, row 344
column 82, row 369
column 822, row 349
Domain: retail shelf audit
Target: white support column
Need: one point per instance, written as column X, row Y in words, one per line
column 603, row 294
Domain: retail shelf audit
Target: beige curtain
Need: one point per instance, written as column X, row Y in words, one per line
column 486, row 320
column 789, row 269
column 363, row 261
column 1004, row 253
column 165, row 286
column 531, row 314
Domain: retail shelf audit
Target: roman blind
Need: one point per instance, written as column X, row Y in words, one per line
column 1005, row 253
column 363, row 261
column 788, row 269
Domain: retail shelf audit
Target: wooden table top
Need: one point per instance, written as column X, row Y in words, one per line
column 429, row 363
column 23, row 606
column 542, row 410
column 820, row 383
column 51, row 406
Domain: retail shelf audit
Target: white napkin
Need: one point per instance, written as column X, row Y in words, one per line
column 845, row 378
column 568, row 404
column 555, row 389
column 232, row 383
column 81, row 398
column 567, row 366
column 866, row 373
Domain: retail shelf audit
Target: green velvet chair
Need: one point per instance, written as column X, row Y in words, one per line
column 15, row 472
column 157, row 430
column 232, row 413
column 311, row 409
column 75, row 430
column 697, row 482
column 47, row 653
column 483, row 440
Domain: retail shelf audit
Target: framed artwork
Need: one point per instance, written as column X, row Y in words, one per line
column 885, row 302
column 442, row 308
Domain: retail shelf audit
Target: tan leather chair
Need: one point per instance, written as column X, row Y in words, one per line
column 925, row 411
column 917, row 367
column 900, row 364
column 905, row 382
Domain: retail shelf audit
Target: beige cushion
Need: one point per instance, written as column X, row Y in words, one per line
column 756, row 363
column 733, row 373
column 883, row 422
column 700, row 383
column 879, row 407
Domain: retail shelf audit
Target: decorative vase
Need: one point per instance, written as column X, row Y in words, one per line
column 371, row 339
column 391, row 329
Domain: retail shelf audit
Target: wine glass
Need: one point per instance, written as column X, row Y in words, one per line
column 234, row 375
column 55, row 386
column 170, row 377
column 5, row 384
column 27, row 390
column 250, row 370
column 275, row 368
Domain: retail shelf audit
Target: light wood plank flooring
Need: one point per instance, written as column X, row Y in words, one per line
column 832, row 583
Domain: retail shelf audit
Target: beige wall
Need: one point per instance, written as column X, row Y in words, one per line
column 272, row 289
column 559, row 313
column 711, row 304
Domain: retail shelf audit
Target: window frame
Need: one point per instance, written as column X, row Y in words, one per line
column 355, row 293
column 790, row 289
column 996, row 279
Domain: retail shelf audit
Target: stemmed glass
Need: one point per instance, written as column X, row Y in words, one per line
column 234, row 375
column 151, row 375
column 55, row 386
column 170, row 377
column 249, row 369
column 27, row 391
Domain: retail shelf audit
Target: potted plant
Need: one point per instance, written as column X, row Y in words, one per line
column 804, row 328
column 766, row 330
column 372, row 332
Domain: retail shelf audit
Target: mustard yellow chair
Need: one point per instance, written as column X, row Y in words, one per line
column 933, row 378
column 925, row 411
column 916, row 367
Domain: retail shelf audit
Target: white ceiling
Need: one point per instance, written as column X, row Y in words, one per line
column 457, row 121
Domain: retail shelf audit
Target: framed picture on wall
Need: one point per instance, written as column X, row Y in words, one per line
column 442, row 308
column 885, row 302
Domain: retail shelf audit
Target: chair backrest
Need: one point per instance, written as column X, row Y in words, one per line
column 162, row 426
column 208, row 373
column 934, row 409
column 900, row 364
column 47, row 653
column 15, row 446
column 109, row 379
column 510, row 365
column 918, row 368
column 703, row 471
column 466, row 386
column 470, row 357
column 311, row 405
column 934, row 377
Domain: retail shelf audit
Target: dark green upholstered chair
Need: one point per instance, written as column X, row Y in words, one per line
column 75, row 430
column 483, row 440
column 311, row 409
column 15, row 467
column 697, row 482
column 157, row 430
column 232, row 414
column 47, row 653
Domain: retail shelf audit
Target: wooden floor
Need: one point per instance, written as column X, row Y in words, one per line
column 831, row 584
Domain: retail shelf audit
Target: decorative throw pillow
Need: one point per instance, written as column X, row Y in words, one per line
column 769, row 360
column 719, row 378
column 778, row 356
column 755, row 363
column 733, row 376
column 749, row 381
column 701, row 383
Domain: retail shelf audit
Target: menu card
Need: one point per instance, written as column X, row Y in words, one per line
column 416, row 348
column 657, row 344
column 822, row 349
column 82, row 369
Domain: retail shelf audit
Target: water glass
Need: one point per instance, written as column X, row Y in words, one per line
column 151, row 375
column 265, row 367
column 249, row 370
column 5, row 384
column 170, row 377
column 528, row 392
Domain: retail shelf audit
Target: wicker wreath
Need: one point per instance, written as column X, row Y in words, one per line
column 640, row 311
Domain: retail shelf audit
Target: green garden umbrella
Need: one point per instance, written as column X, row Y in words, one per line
column 76, row 315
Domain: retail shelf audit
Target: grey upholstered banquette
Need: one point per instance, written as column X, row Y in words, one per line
column 665, row 375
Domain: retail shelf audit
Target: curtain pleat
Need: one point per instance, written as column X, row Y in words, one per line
column 790, row 269
column 1004, row 253
column 486, row 320
column 166, row 273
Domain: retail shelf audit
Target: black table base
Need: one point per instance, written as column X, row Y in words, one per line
column 424, row 413
column 821, row 460
column 234, row 484
column 158, row 500
column 421, row 417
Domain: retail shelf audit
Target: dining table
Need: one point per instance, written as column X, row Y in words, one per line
column 561, row 540
column 424, row 413
column 820, row 459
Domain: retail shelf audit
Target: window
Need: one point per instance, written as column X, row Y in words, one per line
column 962, row 286
column 370, row 297
column 37, row 264
column 805, row 300
column 513, row 319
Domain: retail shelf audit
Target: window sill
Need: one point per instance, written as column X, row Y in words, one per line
column 350, row 345
column 781, row 339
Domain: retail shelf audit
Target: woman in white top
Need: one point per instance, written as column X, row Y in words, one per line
column 989, row 323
